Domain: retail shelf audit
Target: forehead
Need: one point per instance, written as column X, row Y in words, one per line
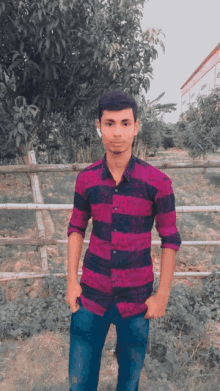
column 118, row 115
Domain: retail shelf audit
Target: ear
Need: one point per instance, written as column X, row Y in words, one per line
column 136, row 126
column 98, row 125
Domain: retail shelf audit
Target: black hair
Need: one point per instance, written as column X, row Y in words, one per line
column 117, row 100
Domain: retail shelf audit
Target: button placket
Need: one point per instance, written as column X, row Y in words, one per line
column 115, row 230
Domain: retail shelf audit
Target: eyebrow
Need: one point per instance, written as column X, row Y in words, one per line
column 112, row 120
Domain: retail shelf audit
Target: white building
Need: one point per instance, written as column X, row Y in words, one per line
column 203, row 80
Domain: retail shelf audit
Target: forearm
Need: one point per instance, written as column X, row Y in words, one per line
column 157, row 304
column 75, row 242
column 167, row 267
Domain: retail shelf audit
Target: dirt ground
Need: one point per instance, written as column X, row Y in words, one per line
column 191, row 187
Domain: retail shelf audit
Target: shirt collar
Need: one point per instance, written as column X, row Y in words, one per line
column 127, row 172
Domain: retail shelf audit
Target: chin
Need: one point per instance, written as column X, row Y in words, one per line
column 117, row 150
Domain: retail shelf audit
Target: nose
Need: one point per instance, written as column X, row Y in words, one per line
column 117, row 131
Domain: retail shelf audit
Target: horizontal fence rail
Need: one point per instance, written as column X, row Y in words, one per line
column 36, row 168
column 80, row 166
column 178, row 209
column 49, row 242
column 24, row 275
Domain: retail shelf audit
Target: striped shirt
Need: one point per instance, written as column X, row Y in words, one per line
column 117, row 266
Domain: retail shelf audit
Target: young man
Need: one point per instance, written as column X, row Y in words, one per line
column 124, row 195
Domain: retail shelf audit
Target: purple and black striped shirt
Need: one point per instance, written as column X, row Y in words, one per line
column 117, row 266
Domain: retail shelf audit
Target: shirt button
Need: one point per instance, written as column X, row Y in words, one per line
column 115, row 208
column 115, row 230
column 114, row 252
column 116, row 190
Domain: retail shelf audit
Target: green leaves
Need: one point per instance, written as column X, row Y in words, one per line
column 63, row 58
column 14, row 65
column 15, row 56
column 23, row 116
column 18, row 140
column 2, row 7
column 85, row 70
column 47, row 44
column 201, row 134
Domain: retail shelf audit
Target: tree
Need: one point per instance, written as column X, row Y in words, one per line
column 169, row 136
column 153, row 128
column 63, row 55
column 199, row 126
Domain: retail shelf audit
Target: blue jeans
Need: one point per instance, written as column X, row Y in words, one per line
column 87, row 338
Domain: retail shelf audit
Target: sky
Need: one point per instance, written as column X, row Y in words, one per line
column 192, row 31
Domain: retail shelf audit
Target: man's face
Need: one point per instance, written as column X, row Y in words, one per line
column 118, row 127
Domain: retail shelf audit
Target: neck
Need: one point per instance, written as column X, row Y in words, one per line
column 117, row 162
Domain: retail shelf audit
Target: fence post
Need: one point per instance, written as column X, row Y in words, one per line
column 37, row 196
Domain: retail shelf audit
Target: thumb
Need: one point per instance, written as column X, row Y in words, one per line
column 75, row 308
column 149, row 300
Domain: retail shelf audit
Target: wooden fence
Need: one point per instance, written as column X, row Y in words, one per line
column 42, row 241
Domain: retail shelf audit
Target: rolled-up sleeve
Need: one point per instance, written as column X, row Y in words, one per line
column 166, row 216
column 81, row 209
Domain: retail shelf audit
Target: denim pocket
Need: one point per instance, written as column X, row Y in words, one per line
column 144, row 313
column 78, row 300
